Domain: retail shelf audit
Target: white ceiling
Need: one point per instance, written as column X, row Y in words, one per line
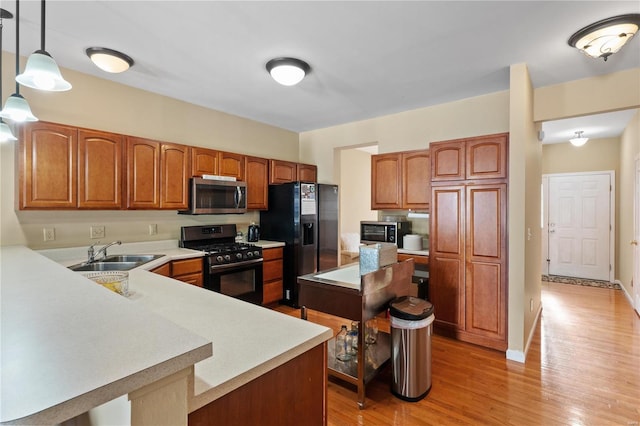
column 367, row 58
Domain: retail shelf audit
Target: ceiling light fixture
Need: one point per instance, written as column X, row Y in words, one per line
column 16, row 107
column 578, row 140
column 41, row 71
column 109, row 60
column 5, row 131
column 604, row 38
column 288, row 71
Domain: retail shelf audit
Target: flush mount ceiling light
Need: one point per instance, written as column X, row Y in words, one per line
column 16, row 107
column 42, row 72
column 288, row 71
column 109, row 60
column 578, row 140
column 604, row 38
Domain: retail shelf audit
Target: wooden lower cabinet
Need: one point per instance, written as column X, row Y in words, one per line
column 272, row 275
column 187, row 270
column 291, row 394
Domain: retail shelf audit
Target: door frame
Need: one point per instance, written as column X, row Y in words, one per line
column 612, row 217
column 635, row 291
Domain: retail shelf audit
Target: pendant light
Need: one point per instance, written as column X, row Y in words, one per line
column 41, row 71
column 16, row 108
column 5, row 131
column 578, row 139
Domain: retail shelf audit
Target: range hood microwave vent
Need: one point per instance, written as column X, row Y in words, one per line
column 209, row 196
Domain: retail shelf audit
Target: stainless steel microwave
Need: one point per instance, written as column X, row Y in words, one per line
column 209, row 196
column 384, row 232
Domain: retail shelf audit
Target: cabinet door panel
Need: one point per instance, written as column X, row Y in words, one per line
column 204, row 162
column 307, row 173
column 282, row 171
column 484, row 301
column 446, row 290
column 232, row 165
column 486, row 157
column 272, row 270
column 174, row 177
column 386, row 181
column 99, row 170
column 485, row 222
column 447, row 220
column 416, row 180
column 257, row 177
column 447, row 160
column 143, row 173
column 48, row 166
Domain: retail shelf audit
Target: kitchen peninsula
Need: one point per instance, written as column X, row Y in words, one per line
column 69, row 345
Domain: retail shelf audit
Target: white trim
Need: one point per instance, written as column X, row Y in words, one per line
column 521, row 356
column 626, row 293
column 612, row 214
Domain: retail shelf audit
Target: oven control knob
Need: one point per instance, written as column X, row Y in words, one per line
column 219, row 259
column 227, row 258
column 256, row 253
column 239, row 256
column 249, row 254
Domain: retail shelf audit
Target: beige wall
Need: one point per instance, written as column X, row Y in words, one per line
column 355, row 190
column 100, row 104
column 629, row 151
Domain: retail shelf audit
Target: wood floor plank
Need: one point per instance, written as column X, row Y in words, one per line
column 583, row 368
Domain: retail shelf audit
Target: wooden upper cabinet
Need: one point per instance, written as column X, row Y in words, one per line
column 99, row 170
column 386, row 181
column 447, row 160
column 281, row 171
column 257, row 178
column 143, row 173
column 174, row 176
column 232, row 165
column 307, row 173
column 416, row 180
column 48, row 166
column 486, row 157
column 204, row 161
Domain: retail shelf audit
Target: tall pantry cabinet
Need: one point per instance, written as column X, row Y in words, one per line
column 468, row 251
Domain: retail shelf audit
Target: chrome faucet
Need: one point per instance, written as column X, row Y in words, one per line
column 92, row 254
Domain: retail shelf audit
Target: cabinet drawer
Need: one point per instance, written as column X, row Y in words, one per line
column 423, row 260
column 187, row 266
column 194, row 279
column 272, row 292
column 272, row 270
column 272, row 253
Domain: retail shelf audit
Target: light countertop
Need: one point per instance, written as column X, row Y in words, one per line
column 248, row 340
column 416, row 252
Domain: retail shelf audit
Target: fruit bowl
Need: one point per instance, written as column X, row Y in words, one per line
column 116, row 281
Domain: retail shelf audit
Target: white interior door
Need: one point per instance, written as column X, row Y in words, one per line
column 579, row 225
column 636, row 238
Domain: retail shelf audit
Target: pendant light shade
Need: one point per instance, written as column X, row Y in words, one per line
column 42, row 72
column 17, row 109
column 578, row 140
column 287, row 71
column 5, row 133
column 604, row 38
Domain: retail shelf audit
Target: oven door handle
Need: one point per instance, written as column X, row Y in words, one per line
column 236, row 265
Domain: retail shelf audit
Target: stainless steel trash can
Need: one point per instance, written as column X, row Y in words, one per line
column 411, row 325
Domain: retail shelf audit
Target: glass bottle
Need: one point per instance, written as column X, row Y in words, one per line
column 353, row 340
column 342, row 341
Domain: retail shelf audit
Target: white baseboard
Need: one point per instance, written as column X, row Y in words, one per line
column 624, row 290
column 521, row 356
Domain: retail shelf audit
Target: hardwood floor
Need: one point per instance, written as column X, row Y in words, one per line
column 583, row 368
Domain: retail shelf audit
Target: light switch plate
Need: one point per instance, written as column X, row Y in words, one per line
column 97, row 231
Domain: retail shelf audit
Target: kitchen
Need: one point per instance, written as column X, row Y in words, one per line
column 312, row 147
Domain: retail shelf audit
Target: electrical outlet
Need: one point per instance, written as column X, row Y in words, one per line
column 530, row 305
column 49, row 234
column 153, row 229
column 96, row 231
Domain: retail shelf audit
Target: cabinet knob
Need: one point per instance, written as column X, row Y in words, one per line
column 634, row 242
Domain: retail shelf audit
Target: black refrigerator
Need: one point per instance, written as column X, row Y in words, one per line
column 292, row 219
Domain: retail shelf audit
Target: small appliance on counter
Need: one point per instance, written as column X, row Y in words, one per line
column 384, row 232
column 253, row 233
column 412, row 242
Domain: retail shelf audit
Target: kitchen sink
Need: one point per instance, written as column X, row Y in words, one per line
column 104, row 266
column 116, row 262
column 137, row 258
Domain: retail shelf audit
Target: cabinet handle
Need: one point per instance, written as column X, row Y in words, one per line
column 634, row 242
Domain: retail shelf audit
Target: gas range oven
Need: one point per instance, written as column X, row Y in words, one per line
column 230, row 268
